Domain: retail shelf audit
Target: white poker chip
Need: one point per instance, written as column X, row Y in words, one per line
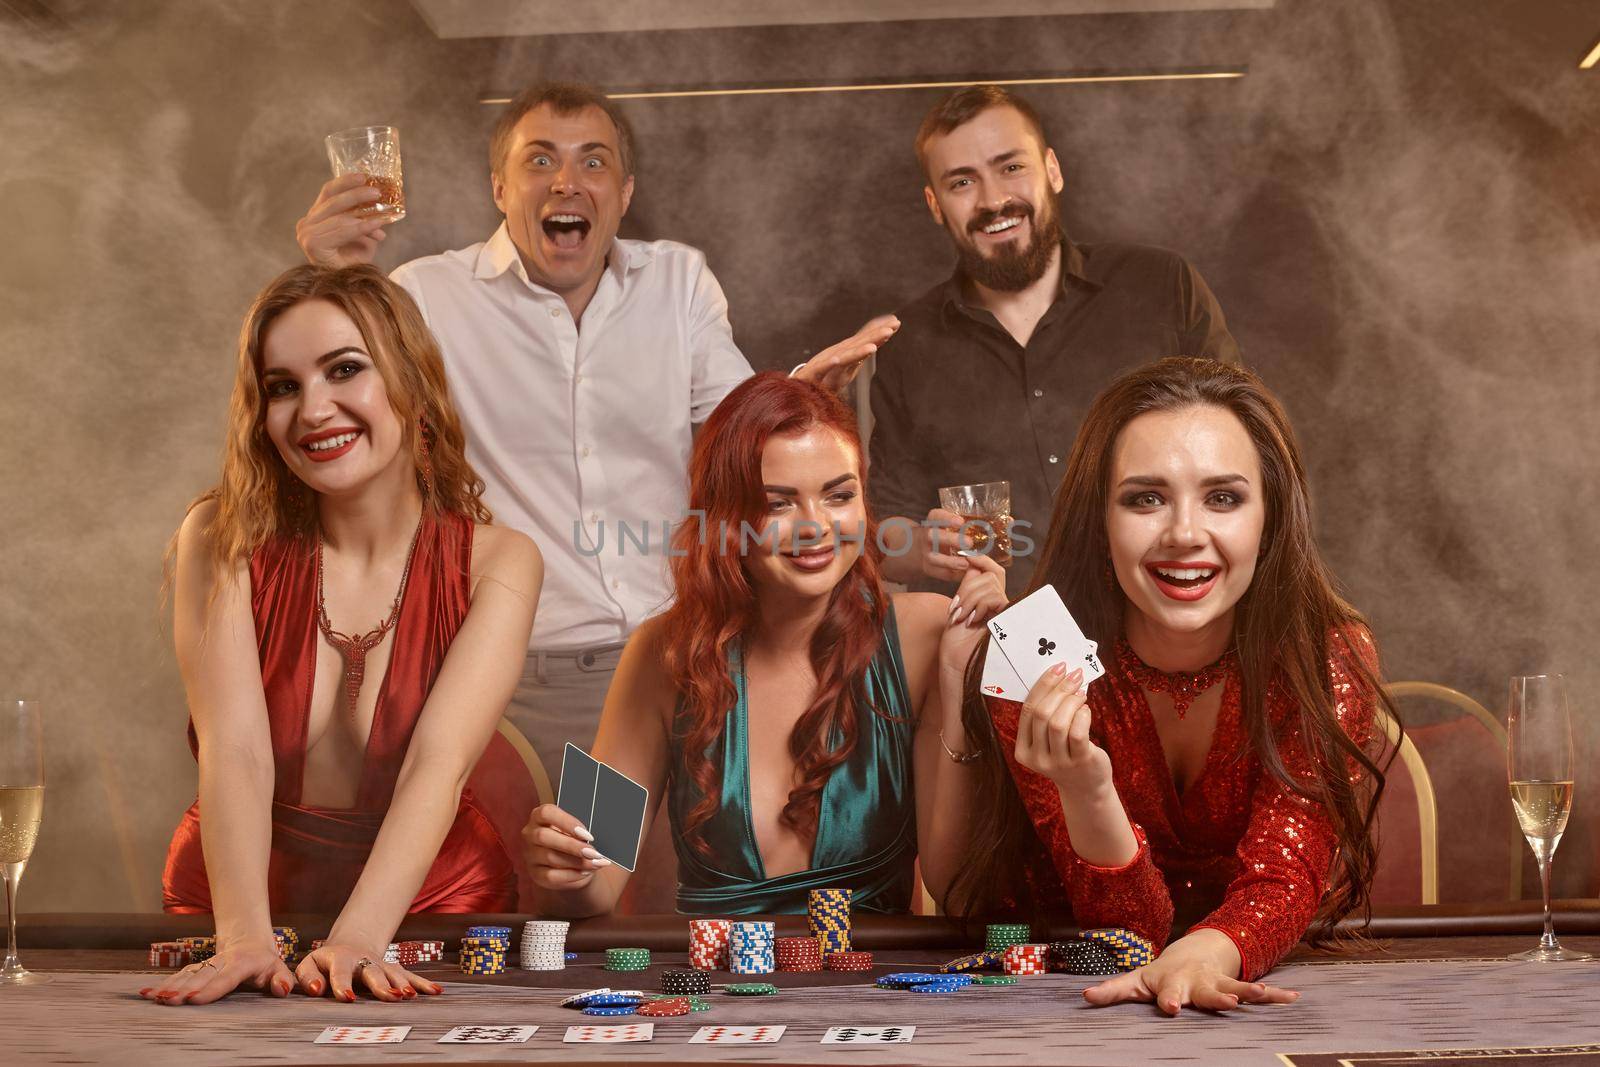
column 578, row 998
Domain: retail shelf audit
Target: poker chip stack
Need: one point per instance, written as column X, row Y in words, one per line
column 997, row 937
column 1080, row 955
column 1128, row 948
column 751, row 948
column 483, row 954
column 410, row 953
column 390, row 954
column 1026, row 959
column 199, row 949
column 695, row 1003
column 168, row 954
column 627, row 959
column 975, row 961
column 798, row 954
column 708, row 944
column 544, row 945
column 680, row 982
column 288, row 942
column 920, row 982
column 828, row 916
column 848, row 961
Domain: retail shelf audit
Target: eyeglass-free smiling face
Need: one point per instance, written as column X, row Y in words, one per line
column 563, row 191
column 1184, row 518
column 815, row 518
column 328, row 411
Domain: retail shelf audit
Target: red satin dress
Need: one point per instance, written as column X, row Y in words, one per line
column 318, row 853
column 1235, row 841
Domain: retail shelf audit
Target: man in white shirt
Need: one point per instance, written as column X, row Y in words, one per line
column 579, row 363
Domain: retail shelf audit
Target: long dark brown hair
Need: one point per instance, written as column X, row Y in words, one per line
column 1287, row 625
column 715, row 603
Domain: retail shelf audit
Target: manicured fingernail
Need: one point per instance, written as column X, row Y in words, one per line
column 1059, row 669
column 955, row 602
column 590, row 854
column 316, row 987
column 1077, row 675
column 145, row 992
column 601, row 862
column 397, row 991
column 349, row 996
column 581, row 832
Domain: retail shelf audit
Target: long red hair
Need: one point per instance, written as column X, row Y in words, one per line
column 716, row 602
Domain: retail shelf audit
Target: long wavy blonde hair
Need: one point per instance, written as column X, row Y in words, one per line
column 258, row 497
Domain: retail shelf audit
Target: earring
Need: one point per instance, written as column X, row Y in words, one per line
column 426, row 472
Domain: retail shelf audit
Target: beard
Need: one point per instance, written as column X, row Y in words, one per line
column 1011, row 269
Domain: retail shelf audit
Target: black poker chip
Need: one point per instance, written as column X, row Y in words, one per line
column 1082, row 956
column 684, row 982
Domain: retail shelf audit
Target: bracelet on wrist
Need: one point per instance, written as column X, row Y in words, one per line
column 958, row 757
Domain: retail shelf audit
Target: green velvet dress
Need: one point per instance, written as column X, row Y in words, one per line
column 866, row 827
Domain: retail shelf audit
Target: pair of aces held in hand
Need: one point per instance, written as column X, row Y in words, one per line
column 1029, row 638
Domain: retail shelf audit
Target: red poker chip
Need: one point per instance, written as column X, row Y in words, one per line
column 848, row 961
column 670, row 1007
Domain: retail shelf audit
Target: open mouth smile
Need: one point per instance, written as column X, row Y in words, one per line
column 329, row 444
column 1184, row 581
column 566, row 230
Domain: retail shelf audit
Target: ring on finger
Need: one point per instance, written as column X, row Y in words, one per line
column 362, row 964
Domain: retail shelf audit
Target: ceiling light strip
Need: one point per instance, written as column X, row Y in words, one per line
column 776, row 90
column 1592, row 58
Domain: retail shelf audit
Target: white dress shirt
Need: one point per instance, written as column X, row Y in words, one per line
column 577, row 431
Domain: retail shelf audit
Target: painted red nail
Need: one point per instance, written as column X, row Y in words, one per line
column 349, row 996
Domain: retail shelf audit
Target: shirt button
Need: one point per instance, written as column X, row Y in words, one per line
column 1054, row 458
column 616, row 583
column 586, row 452
column 1038, row 392
column 578, row 379
column 594, row 516
column 555, row 313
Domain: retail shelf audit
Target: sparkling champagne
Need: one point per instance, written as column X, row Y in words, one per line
column 1542, row 808
column 21, row 809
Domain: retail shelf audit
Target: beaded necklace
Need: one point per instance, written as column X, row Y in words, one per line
column 1185, row 687
column 354, row 648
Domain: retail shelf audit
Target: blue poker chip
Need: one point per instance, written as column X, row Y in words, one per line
column 612, row 1000
column 611, row 1009
column 957, row 980
column 936, row 987
column 907, row 979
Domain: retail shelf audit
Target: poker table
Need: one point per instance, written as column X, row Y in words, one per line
column 1426, row 984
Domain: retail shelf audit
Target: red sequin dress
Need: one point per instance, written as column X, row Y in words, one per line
column 318, row 853
column 1236, row 840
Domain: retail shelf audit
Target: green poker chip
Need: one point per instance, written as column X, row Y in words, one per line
column 994, row 979
column 751, row 989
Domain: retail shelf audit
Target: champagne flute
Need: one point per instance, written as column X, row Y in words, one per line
column 1540, row 765
column 21, row 809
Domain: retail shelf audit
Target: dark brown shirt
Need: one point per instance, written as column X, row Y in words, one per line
column 956, row 401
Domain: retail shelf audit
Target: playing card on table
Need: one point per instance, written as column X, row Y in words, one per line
column 599, row 1034
column 1037, row 632
column 737, row 1035
column 867, row 1035
column 488, row 1035
column 362, row 1035
column 999, row 679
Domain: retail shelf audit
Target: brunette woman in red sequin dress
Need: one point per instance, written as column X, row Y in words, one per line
column 1225, row 769
column 349, row 629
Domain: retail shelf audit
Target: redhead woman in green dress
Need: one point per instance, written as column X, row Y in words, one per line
column 802, row 724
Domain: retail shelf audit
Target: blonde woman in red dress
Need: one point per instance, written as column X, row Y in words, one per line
column 349, row 628
column 1223, row 770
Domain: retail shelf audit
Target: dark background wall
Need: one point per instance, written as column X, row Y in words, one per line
column 1396, row 208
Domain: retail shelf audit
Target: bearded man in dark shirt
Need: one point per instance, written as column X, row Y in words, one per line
column 992, row 370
